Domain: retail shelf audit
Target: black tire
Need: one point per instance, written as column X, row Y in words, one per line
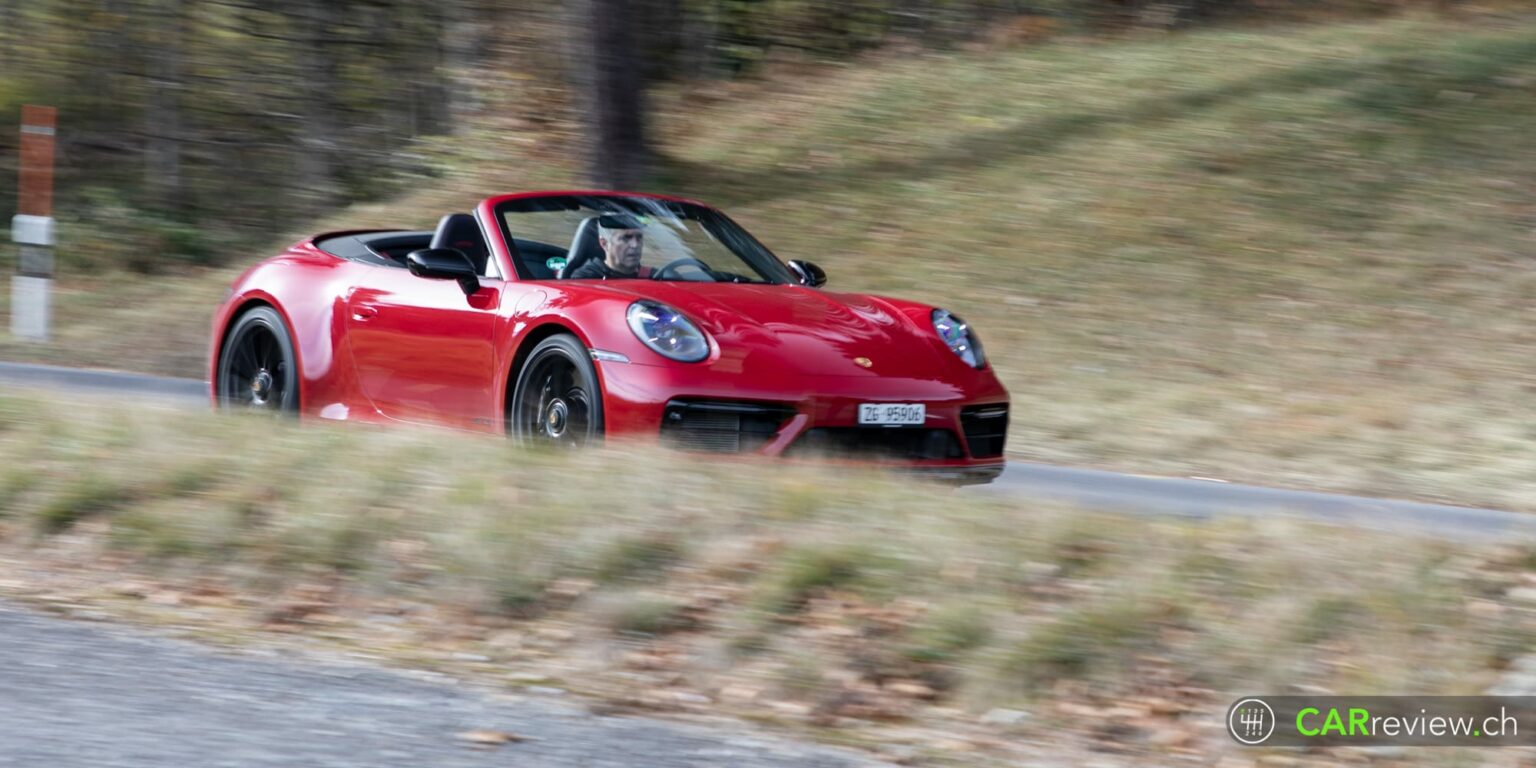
column 257, row 368
column 556, row 400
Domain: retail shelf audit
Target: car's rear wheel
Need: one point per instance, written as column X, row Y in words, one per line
column 257, row 368
column 557, row 400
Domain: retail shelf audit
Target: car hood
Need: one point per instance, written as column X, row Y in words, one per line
column 793, row 328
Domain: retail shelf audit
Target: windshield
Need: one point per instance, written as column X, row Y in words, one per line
column 577, row 237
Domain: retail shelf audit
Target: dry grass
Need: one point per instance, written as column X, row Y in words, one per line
column 898, row 613
column 1292, row 256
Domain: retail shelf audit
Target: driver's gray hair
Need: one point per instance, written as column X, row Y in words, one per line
column 607, row 225
column 607, row 233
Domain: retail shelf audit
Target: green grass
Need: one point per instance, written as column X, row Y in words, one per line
column 805, row 572
column 638, row 556
column 1093, row 639
column 648, row 615
column 949, row 633
column 884, row 588
column 1291, row 255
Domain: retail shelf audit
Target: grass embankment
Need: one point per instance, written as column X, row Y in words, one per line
column 1295, row 256
column 933, row 625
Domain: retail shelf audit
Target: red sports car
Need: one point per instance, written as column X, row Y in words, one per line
column 562, row 317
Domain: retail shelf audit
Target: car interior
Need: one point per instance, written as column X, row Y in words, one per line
column 455, row 230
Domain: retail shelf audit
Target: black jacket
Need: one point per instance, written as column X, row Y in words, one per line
column 597, row 269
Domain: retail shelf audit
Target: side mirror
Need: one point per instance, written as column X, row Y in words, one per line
column 444, row 264
column 809, row 273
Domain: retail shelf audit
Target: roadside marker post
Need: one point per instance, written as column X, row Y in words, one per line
column 32, row 227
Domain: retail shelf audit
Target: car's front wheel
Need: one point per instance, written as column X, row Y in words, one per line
column 256, row 366
column 557, row 400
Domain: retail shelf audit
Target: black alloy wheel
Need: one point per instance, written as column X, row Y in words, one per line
column 256, row 367
column 557, row 400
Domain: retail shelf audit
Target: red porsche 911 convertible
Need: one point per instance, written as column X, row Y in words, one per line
column 562, row 317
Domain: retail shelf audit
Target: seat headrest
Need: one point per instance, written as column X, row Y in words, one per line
column 584, row 247
column 461, row 231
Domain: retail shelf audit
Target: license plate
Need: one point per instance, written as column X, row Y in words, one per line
column 893, row 414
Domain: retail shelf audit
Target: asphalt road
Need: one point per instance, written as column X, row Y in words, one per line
column 81, row 695
column 1085, row 487
column 53, row 377
column 1205, row 499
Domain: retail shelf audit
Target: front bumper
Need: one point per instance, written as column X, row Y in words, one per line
column 801, row 417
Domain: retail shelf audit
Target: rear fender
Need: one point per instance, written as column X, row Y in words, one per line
column 310, row 295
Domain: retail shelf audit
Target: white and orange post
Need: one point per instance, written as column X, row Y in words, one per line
column 32, row 228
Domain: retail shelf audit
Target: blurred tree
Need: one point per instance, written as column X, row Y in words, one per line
column 10, row 31
column 319, row 23
column 162, row 112
column 468, row 28
column 615, row 89
column 195, row 128
column 661, row 36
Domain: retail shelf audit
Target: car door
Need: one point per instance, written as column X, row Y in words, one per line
column 423, row 349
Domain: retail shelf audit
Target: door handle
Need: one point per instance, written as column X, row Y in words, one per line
column 364, row 312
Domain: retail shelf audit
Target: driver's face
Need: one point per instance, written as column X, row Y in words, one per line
column 622, row 247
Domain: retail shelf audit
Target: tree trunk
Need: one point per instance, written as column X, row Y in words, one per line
column 467, row 28
column 661, row 36
column 407, row 66
column 430, row 83
column 699, row 34
column 319, row 74
column 162, row 111
column 110, row 51
column 10, row 37
column 615, row 91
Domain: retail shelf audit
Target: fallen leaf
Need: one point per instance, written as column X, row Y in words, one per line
column 490, row 738
column 911, row 689
column 568, row 589
column 164, row 597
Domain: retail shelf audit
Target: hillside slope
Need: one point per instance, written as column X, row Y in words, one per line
column 1294, row 256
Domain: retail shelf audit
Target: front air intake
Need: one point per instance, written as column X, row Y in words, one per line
column 878, row 443
column 986, row 429
column 722, row 426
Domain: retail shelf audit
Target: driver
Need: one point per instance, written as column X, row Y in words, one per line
column 622, row 241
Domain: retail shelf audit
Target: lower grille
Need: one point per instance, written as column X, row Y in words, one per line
column 721, row 426
column 986, row 429
column 879, row 443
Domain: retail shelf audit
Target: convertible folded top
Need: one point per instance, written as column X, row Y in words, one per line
column 384, row 247
column 388, row 247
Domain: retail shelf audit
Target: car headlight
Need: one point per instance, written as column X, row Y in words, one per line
column 667, row 332
column 959, row 338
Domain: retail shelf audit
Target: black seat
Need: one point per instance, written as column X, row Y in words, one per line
column 461, row 231
column 584, row 247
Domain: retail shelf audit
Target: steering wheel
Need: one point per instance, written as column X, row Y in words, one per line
column 671, row 266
